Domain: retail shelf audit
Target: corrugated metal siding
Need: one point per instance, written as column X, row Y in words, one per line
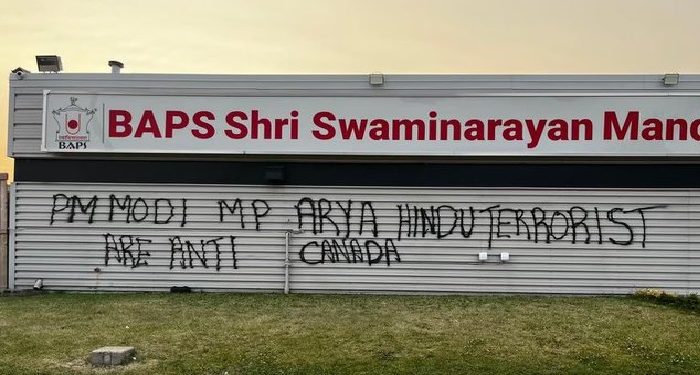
column 25, row 132
column 71, row 255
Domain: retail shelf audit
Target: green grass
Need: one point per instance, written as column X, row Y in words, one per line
column 348, row 334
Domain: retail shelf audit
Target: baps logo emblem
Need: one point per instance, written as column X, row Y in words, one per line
column 73, row 124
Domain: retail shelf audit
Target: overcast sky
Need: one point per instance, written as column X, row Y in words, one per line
column 352, row 36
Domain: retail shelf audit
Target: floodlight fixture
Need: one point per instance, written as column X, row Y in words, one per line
column 49, row 63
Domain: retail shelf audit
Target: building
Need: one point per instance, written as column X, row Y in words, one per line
column 339, row 183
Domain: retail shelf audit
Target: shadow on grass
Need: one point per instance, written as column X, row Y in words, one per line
column 689, row 303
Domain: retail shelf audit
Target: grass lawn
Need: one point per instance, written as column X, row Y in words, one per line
column 347, row 334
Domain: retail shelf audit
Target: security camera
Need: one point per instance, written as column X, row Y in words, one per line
column 20, row 73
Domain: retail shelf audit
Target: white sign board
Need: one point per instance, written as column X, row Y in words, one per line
column 437, row 126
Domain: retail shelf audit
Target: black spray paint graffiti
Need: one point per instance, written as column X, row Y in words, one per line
column 186, row 249
column 575, row 224
column 73, row 202
column 259, row 207
column 122, row 249
column 160, row 210
column 130, row 251
column 317, row 214
column 135, row 251
column 125, row 209
column 351, row 232
column 431, row 221
column 560, row 224
column 350, row 251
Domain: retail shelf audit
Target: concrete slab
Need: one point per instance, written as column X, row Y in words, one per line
column 112, row 355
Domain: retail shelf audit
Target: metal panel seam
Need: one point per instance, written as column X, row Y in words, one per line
column 10, row 123
column 11, row 229
column 688, row 236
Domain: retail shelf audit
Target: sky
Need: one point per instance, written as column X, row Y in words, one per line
column 350, row 36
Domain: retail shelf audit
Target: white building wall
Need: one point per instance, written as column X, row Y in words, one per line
column 71, row 255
